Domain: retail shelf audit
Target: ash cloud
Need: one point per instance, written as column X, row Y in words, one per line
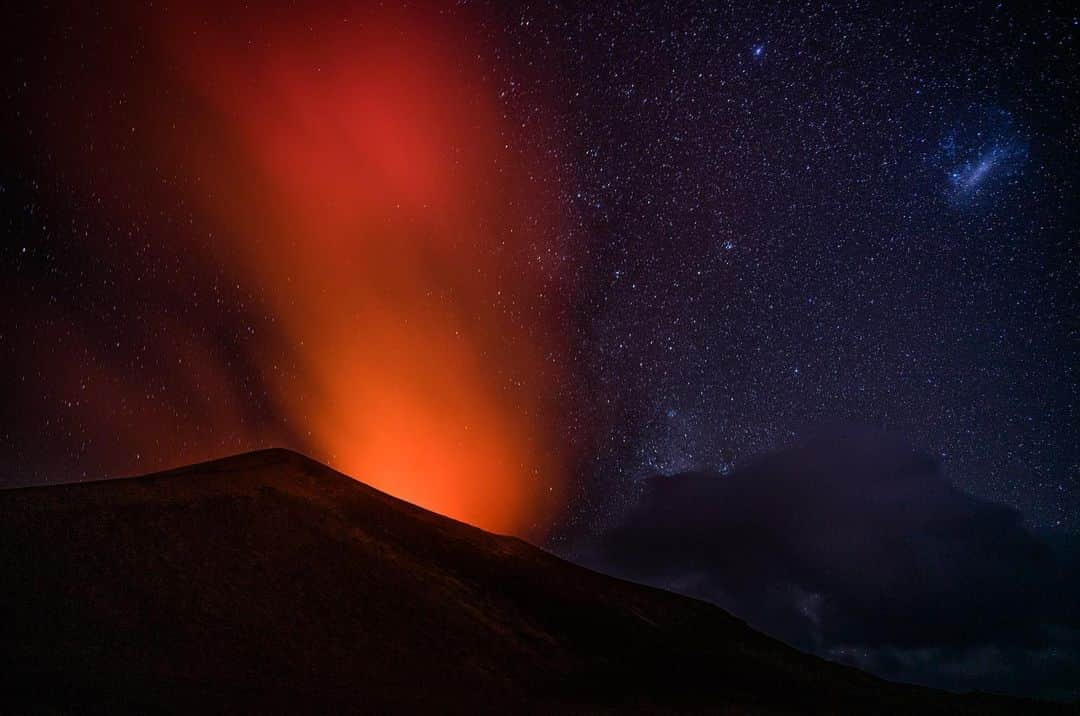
column 855, row 547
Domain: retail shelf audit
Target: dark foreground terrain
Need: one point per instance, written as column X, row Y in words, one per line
column 268, row 583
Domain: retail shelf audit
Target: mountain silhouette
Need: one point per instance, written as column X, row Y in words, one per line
column 269, row 583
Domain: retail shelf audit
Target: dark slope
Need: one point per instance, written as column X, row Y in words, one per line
column 267, row 582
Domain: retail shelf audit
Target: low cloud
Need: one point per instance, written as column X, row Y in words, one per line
column 855, row 547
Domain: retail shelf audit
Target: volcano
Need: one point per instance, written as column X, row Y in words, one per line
column 269, row 583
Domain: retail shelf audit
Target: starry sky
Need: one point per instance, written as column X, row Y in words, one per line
column 545, row 252
column 800, row 215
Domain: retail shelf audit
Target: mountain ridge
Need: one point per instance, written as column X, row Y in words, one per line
column 268, row 581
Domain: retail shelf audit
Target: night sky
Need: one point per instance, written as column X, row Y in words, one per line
column 554, row 253
column 807, row 215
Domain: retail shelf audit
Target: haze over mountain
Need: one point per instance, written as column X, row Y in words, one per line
column 853, row 545
column 267, row 582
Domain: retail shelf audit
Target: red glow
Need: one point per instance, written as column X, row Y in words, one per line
column 358, row 170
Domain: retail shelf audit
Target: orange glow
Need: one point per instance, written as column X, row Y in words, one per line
column 357, row 167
